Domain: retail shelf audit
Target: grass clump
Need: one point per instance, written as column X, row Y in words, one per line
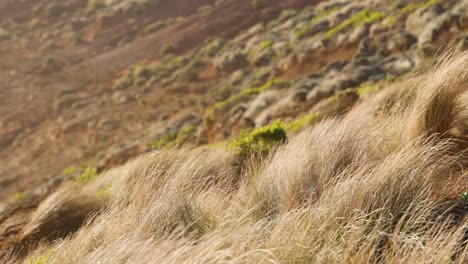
column 88, row 175
column 165, row 139
column 363, row 17
column 260, row 140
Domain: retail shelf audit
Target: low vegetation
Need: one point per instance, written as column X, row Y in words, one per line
column 259, row 141
column 224, row 105
column 358, row 19
column 368, row 186
column 88, row 175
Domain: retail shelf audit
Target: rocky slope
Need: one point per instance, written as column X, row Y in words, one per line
column 91, row 84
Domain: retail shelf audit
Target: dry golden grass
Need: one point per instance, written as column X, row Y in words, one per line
column 363, row 188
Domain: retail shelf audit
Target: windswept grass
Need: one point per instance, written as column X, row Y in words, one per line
column 366, row 187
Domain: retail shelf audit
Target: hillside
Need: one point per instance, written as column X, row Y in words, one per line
column 233, row 131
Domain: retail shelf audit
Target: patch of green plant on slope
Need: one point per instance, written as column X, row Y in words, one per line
column 363, row 17
column 324, row 14
column 413, row 6
column 298, row 124
column 88, row 175
column 260, row 140
column 222, row 105
column 302, row 31
column 266, row 44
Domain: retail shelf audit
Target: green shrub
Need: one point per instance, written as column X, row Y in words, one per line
column 165, row 139
column 259, row 141
column 301, row 32
column 412, row 6
column 89, row 174
column 266, row 44
column 184, row 134
column 363, row 17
